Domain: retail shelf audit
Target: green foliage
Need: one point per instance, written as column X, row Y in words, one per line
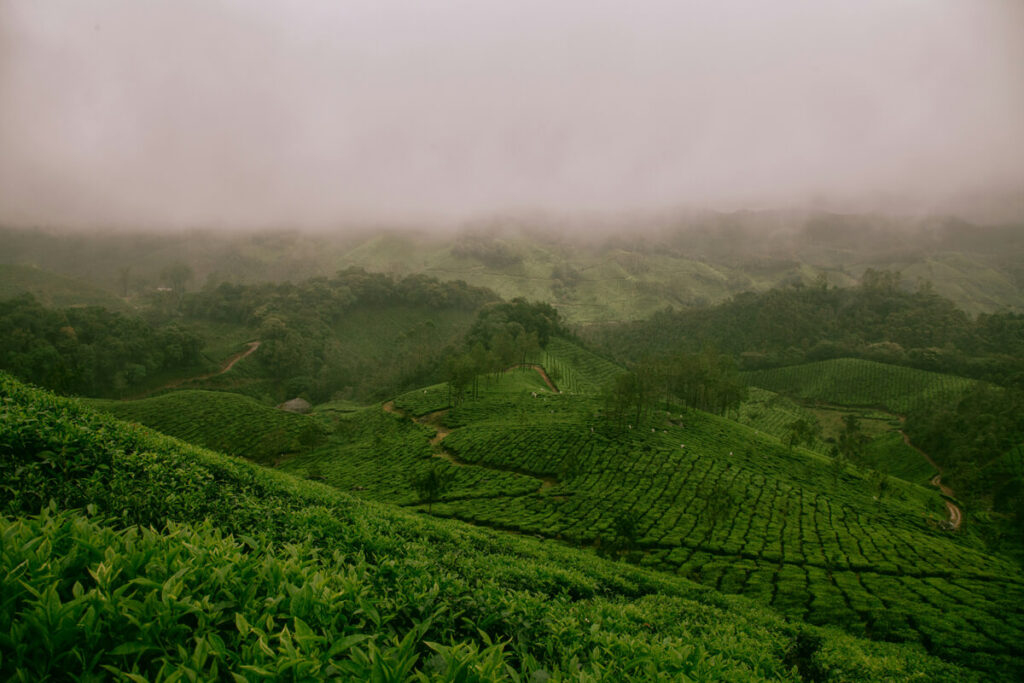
column 802, row 431
column 793, row 325
column 242, row 572
column 431, row 483
column 513, row 318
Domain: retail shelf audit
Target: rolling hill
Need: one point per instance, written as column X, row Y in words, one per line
column 698, row 496
column 140, row 556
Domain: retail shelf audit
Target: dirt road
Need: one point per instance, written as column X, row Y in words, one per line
column 228, row 364
column 956, row 515
column 540, row 371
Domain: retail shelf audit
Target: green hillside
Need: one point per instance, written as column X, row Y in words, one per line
column 856, row 382
column 642, row 265
column 697, row 496
column 229, row 423
column 240, row 572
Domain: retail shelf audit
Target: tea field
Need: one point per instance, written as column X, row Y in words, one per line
column 222, row 421
column 129, row 555
column 727, row 505
column 698, row 498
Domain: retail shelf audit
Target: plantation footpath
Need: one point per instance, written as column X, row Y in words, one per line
column 956, row 515
column 132, row 555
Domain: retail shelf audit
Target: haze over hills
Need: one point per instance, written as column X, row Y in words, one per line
column 591, row 271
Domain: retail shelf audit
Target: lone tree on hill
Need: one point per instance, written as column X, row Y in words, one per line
column 431, row 483
column 627, row 529
column 851, row 439
column 801, row 431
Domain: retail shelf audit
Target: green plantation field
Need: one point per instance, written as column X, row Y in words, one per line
column 225, row 422
column 576, row 370
column 856, row 382
column 743, row 515
column 687, row 495
column 702, row 497
column 134, row 556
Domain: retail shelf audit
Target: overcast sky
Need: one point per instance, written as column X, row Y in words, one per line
column 315, row 113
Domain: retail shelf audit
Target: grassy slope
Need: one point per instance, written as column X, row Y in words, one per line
column 225, row 422
column 249, row 571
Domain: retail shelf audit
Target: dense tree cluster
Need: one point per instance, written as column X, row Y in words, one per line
column 504, row 334
column 88, row 351
column 705, row 381
column 979, row 442
column 296, row 324
column 877, row 320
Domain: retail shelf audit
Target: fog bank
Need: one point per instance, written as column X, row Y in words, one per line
column 327, row 114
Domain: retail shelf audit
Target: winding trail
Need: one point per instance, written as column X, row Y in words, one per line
column 228, row 364
column 956, row 515
column 433, row 420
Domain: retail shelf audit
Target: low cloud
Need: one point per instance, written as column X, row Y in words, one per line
column 325, row 114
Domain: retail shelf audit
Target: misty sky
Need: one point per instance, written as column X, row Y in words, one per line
column 315, row 113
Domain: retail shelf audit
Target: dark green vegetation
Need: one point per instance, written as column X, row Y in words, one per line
column 224, row 422
column 90, row 350
column 875, row 320
column 979, row 443
column 128, row 554
column 355, row 334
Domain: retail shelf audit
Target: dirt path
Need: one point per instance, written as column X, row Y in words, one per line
column 540, row 371
column 228, row 364
column 434, row 420
column 956, row 515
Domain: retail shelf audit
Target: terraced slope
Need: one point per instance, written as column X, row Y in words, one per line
column 856, row 382
column 245, row 573
column 576, row 369
column 699, row 496
column 229, row 423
